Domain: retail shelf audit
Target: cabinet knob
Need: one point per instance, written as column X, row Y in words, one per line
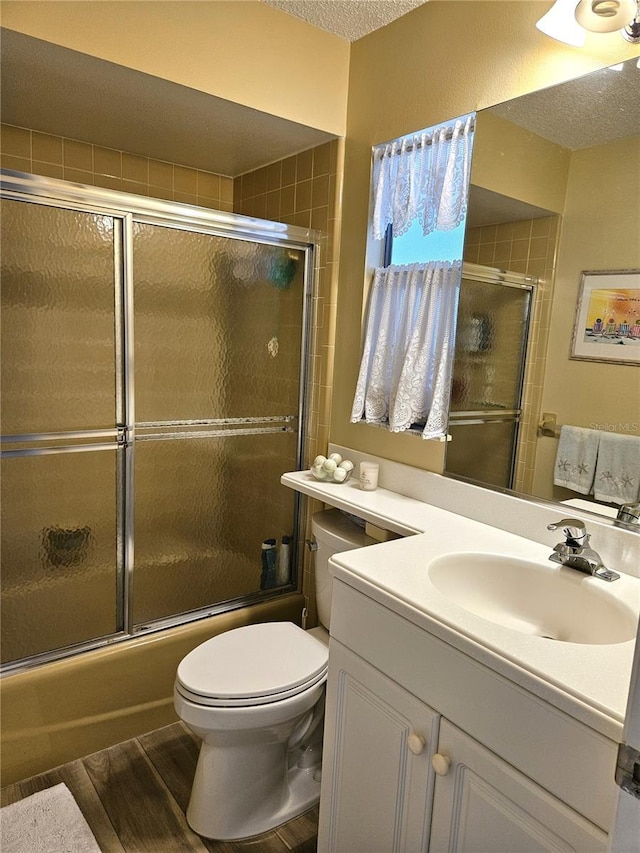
column 416, row 744
column 441, row 764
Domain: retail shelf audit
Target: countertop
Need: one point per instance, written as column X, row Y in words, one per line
column 589, row 682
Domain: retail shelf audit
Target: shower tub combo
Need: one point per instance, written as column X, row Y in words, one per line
column 154, row 362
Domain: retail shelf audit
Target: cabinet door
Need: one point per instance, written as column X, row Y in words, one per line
column 483, row 805
column 377, row 779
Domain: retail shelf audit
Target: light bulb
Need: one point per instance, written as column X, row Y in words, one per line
column 605, row 16
column 560, row 23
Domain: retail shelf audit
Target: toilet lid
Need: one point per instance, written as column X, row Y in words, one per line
column 253, row 665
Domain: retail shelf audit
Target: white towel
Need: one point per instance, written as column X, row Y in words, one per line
column 576, row 458
column 47, row 822
column 617, row 477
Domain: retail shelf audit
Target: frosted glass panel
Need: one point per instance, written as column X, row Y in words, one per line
column 58, row 551
column 218, row 326
column 203, row 508
column 490, row 344
column 58, row 351
column 482, row 452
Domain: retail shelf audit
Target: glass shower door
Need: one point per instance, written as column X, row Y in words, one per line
column 491, row 342
column 153, row 374
column 61, row 555
column 219, row 339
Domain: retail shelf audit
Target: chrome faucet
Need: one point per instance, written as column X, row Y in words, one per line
column 575, row 553
column 629, row 513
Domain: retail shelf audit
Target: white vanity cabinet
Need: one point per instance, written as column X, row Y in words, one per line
column 423, row 754
column 377, row 778
column 483, row 804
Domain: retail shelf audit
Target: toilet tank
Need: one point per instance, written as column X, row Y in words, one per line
column 334, row 532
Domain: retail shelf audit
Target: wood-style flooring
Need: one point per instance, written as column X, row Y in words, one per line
column 134, row 796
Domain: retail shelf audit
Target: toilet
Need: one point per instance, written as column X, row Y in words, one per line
column 255, row 696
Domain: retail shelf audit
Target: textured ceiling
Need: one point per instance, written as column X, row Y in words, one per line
column 591, row 110
column 349, row 19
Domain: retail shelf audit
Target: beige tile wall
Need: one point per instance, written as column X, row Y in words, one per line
column 25, row 150
column 527, row 246
column 306, row 190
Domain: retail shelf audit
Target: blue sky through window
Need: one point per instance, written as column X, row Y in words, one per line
column 413, row 247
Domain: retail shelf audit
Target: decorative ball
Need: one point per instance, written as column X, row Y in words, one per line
column 334, row 469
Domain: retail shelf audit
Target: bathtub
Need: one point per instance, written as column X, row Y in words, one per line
column 64, row 710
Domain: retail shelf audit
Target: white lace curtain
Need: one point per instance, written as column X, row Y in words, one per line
column 405, row 374
column 423, row 176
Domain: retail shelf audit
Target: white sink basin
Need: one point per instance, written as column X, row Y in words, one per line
column 550, row 602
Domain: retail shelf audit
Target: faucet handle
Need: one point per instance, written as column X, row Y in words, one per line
column 629, row 513
column 573, row 528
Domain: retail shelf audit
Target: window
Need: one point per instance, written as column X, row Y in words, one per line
column 420, row 187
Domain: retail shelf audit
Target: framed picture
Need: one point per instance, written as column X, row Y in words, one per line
column 607, row 324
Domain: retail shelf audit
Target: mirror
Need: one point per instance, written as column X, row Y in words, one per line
column 555, row 184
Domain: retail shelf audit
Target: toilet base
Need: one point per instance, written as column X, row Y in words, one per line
column 303, row 794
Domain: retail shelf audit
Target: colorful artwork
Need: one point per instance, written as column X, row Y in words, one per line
column 607, row 326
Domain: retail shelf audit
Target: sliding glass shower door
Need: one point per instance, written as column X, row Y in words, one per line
column 153, row 370
column 61, row 561
column 491, row 342
column 218, row 343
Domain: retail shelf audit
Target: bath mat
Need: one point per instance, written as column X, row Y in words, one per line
column 47, row 822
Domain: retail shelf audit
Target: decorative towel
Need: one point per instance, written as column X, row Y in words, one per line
column 576, row 458
column 617, row 477
column 47, row 822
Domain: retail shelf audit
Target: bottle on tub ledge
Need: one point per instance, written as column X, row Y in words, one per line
column 283, row 572
column 276, row 567
column 269, row 564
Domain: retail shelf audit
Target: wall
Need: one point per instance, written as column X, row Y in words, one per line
column 604, row 182
column 298, row 72
column 519, row 164
column 441, row 60
column 26, row 150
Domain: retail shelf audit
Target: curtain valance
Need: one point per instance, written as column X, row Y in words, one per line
column 424, row 176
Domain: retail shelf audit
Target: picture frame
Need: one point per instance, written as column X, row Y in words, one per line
column 607, row 321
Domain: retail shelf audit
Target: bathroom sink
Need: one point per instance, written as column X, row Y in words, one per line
column 532, row 598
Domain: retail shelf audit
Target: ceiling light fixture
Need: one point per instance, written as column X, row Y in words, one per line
column 631, row 32
column 560, row 24
column 569, row 21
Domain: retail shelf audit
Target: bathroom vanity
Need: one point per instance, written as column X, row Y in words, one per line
column 469, row 708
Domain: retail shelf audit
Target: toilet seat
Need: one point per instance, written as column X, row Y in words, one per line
column 252, row 665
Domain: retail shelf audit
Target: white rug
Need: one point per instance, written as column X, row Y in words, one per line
column 47, row 822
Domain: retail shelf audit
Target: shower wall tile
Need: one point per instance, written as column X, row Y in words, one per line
column 527, row 246
column 17, row 164
column 135, row 168
column 107, row 161
column 45, row 147
column 16, row 141
column 49, row 170
column 77, row 155
column 26, row 150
